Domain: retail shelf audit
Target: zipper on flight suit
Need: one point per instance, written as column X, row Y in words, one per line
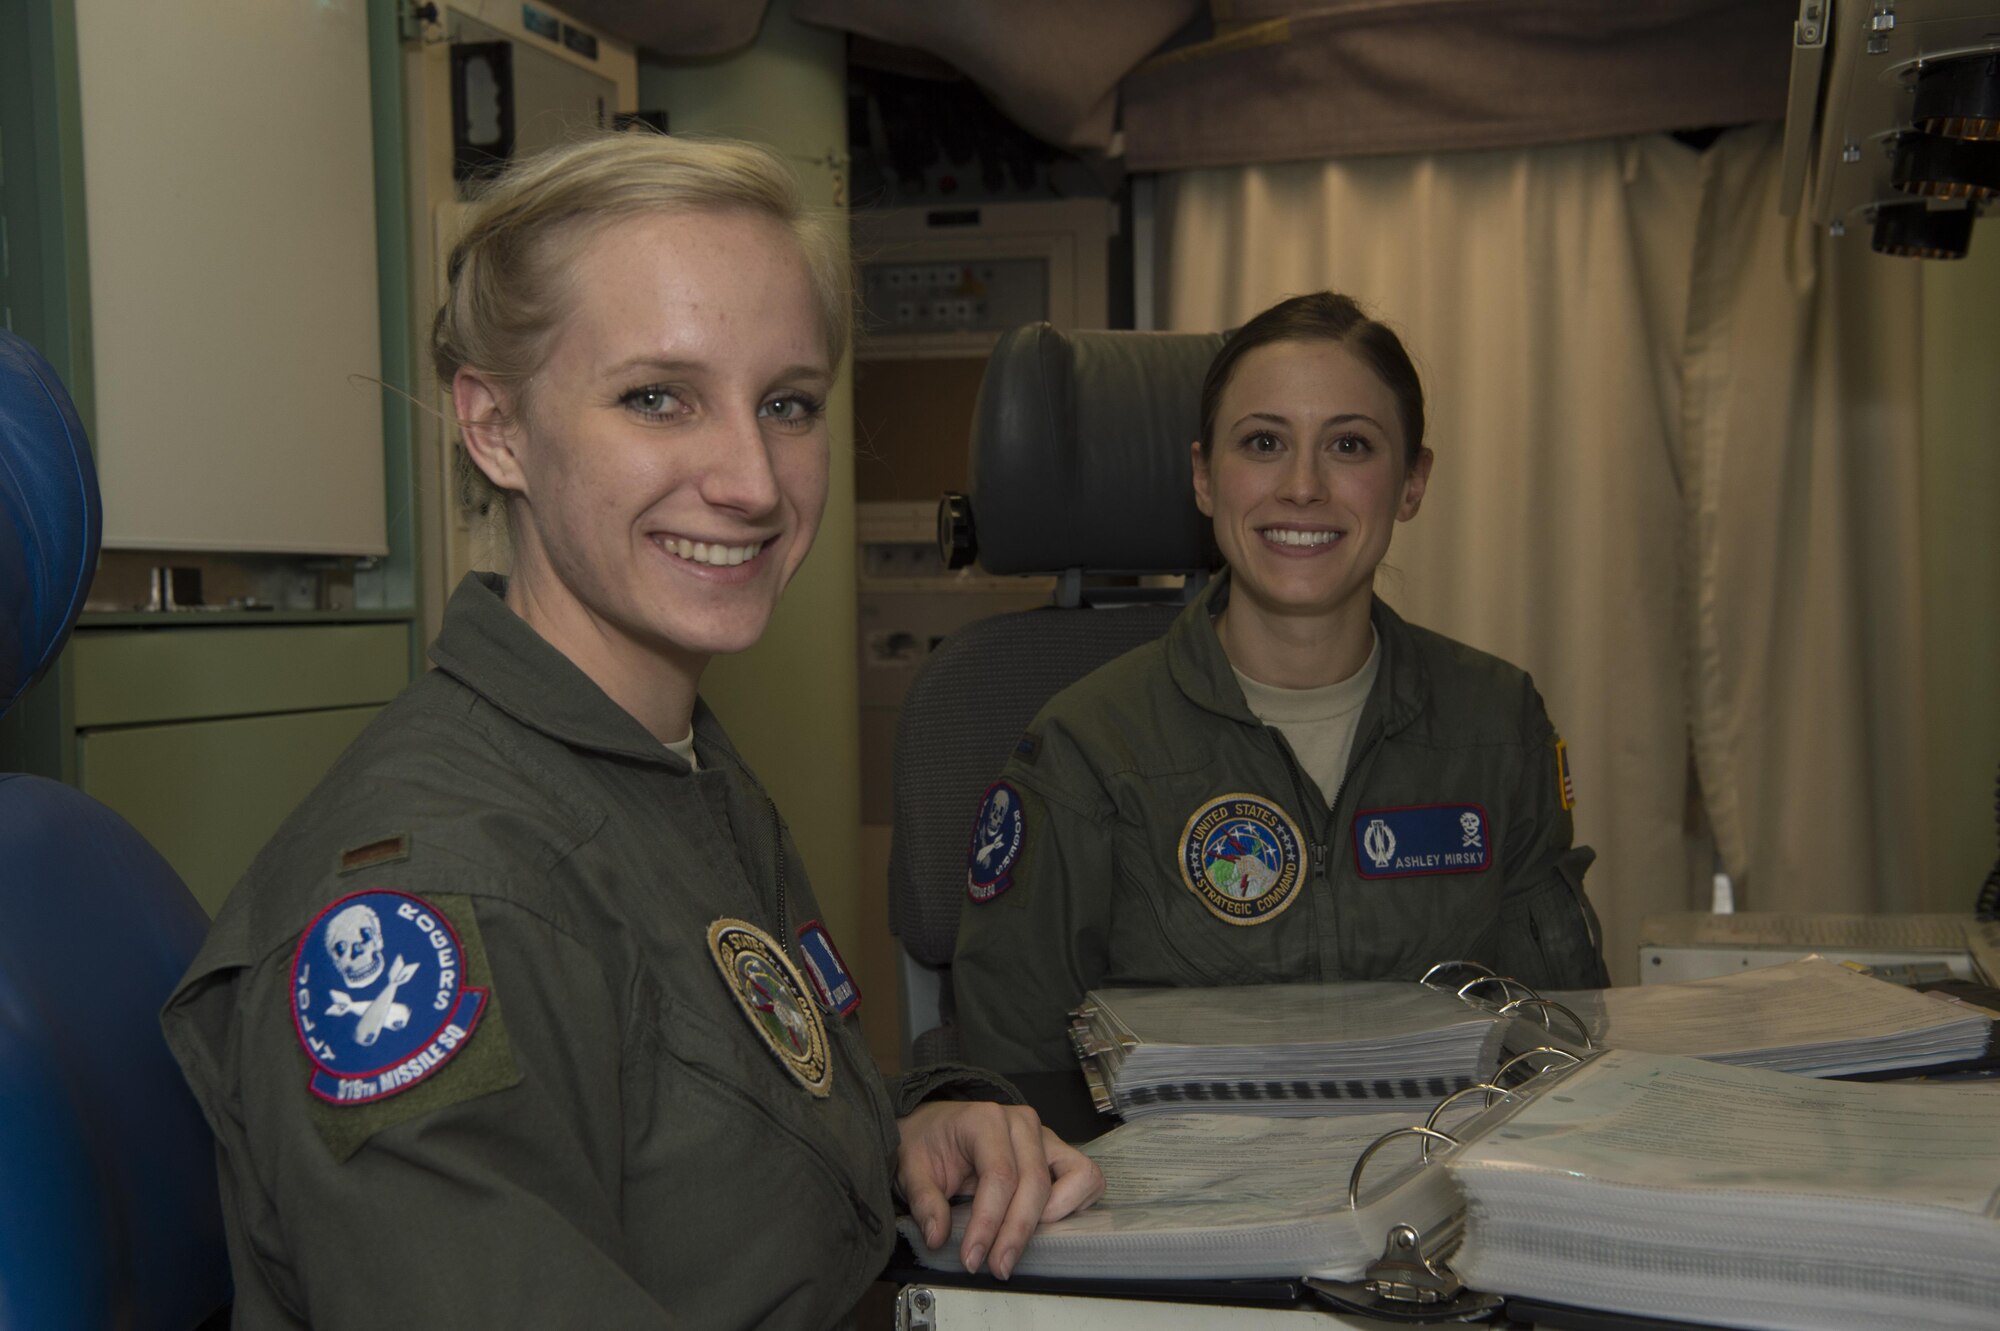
column 778, row 849
column 1326, row 826
column 1306, row 801
column 1354, row 764
column 1316, row 848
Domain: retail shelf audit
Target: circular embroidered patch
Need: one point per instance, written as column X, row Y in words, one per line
column 379, row 997
column 1243, row 857
column 996, row 843
column 772, row 994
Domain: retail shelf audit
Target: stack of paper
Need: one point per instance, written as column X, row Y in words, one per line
column 1701, row 1192
column 1285, row 1048
column 1812, row 1017
column 1224, row 1196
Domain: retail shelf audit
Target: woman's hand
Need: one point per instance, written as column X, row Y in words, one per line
column 1021, row 1174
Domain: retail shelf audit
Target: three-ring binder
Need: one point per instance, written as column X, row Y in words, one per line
column 1238, row 1048
column 1414, row 1274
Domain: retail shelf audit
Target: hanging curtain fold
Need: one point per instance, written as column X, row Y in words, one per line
column 1284, row 80
column 1655, row 457
column 1233, row 81
column 1801, row 432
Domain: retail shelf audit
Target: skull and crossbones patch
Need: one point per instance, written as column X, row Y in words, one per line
column 378, row 996
column 996, row 843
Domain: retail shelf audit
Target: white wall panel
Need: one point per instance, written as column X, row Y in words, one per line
column 229, row 187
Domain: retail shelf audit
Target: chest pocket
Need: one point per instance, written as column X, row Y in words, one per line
column 713, row 1108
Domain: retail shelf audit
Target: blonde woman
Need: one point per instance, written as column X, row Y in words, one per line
column 527, row 1016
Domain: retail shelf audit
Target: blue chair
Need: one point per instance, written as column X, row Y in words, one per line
column 109, row 1215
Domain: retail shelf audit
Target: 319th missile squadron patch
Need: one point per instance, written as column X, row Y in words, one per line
column 379, row 997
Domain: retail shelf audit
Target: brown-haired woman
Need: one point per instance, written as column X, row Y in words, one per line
column 1293, row 784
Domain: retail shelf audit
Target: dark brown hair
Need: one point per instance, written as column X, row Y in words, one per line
column 1322, row 316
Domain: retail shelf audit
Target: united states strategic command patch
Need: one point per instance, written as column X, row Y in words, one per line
column 379, row 997
column 773, row 997
column 1243, row 857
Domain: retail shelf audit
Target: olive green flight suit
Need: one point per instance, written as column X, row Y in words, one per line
column 614, row 1145
column 1114, row 771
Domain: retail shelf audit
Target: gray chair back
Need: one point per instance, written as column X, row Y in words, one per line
column 1080, row 467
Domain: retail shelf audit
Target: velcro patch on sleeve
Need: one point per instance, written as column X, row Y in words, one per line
column 388, row 991
column 831, row 980
column 997, row 835
column 1565, row 787
column 1422, row 839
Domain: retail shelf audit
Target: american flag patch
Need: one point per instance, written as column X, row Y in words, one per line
column 1566, row 788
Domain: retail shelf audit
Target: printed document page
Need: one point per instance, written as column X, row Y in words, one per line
column 1655, row 1122
column 1704, row 1192
column 1812, row 1016
column 1220, row 1195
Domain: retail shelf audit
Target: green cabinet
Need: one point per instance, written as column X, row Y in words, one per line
column 204, row 739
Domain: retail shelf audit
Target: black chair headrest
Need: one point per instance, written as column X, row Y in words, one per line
column 50, row 521
column 1080, row 453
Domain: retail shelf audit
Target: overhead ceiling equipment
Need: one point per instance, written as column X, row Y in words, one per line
column 1894, row 120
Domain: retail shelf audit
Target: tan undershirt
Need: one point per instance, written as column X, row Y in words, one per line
column 685, row 748
column 1318, row 723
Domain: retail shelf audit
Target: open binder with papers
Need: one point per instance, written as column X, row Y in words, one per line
column 1646, row 1185
column 1365, row 1046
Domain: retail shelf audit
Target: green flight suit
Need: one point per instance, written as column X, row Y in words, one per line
column 1123, row 775
column 614, row 1145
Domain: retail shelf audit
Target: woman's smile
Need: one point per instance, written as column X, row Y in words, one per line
column 1300, row 540
column 712, row 555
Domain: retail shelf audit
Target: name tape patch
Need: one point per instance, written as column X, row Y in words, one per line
column 1243, row 857
column 1422, row 839
column 831, row 980
column 379, row 997
column 997, row 834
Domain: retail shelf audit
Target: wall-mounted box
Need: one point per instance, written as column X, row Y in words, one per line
column 949, row 281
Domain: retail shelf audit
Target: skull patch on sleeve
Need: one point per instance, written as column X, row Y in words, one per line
column 379, row 997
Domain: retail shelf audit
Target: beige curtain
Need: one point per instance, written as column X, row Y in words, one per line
column 1675, row 481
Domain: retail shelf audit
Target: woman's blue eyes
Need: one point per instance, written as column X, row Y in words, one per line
column 793, row 408
column 658, row 403
column 654, row 403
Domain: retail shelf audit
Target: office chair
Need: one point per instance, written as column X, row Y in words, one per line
column 109, row 1215
column 1079, row 469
